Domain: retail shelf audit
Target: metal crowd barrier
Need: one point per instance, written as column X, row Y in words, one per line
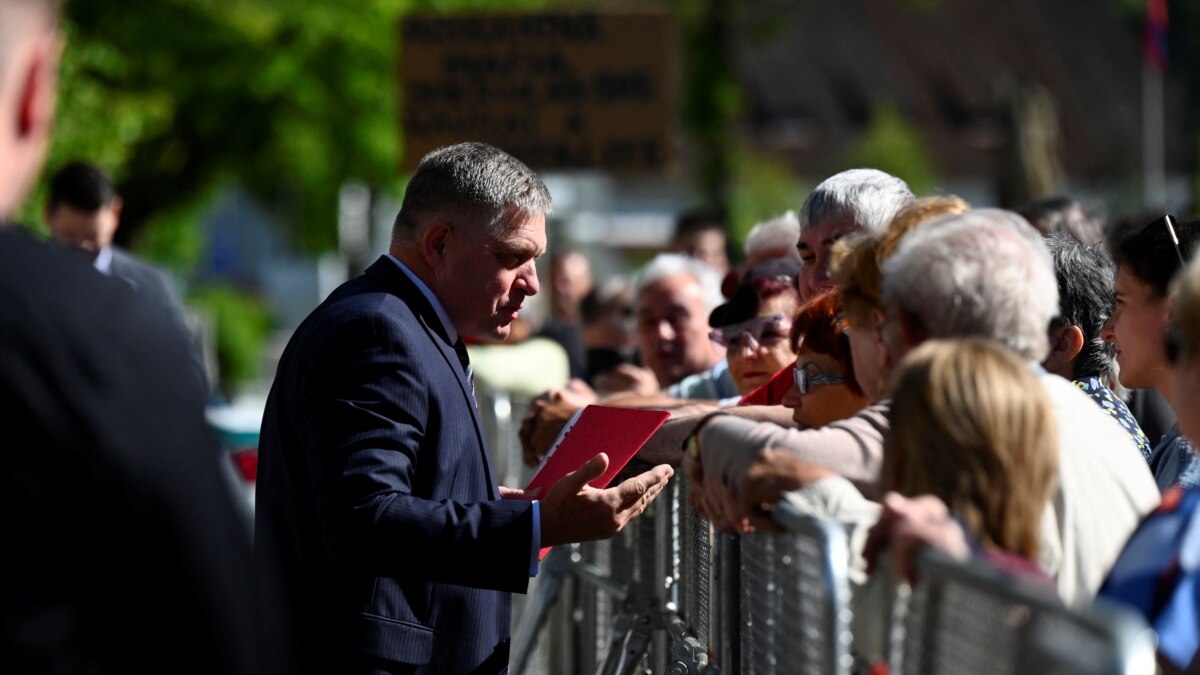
column 969, row 618
column 796, row 598
column 670, row 595
column 647, row 601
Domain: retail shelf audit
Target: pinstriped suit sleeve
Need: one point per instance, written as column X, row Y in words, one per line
column 397, row 465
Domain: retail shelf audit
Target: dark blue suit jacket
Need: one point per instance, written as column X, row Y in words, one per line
column 376, row 492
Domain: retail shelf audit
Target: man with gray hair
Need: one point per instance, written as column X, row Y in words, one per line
column 988, row 273
column 396, row 546
column 985, row 273
column 674, row 295
column 853, row 200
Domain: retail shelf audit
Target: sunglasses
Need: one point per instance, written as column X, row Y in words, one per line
column 1168, row 222
column 805, row 380
column 764, row 331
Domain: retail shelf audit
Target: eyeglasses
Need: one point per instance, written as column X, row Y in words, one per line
column 762, row 331
column 805, row 380
column 1169, row 222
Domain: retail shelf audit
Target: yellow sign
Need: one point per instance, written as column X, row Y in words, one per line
column 557, row 91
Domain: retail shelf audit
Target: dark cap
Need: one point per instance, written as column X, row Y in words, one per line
column 766, row 279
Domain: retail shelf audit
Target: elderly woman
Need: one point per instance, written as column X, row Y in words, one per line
column 824, row 388
column 754, row 325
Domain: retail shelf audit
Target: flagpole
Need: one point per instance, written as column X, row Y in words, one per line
column 1154, row 65
column 1154, row 189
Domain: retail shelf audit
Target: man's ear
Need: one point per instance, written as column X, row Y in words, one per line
column 35, row 94
column 912, row 329
column 433, row 243
column 117, row 205
column 1065, row 344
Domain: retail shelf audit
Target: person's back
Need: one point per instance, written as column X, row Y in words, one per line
column 1104, row 490
column 988, row 273
column 130, row 554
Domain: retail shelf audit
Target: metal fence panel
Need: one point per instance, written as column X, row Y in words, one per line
column 968, row 618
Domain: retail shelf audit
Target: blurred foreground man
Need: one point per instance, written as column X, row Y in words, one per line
column 124, row 547
column 399, row 550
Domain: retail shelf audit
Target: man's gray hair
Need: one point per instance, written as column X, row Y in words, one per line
column 984, row 273
column 666, row 265
column 777, row 233
column 470, row 184
column 869, row 198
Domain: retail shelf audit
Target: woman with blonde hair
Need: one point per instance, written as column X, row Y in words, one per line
column 972, row 426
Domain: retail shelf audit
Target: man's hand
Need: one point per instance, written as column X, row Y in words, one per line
column 774, row 473
column 627, row 377
column 548, row 414
column 573, row 511
column 908, row 525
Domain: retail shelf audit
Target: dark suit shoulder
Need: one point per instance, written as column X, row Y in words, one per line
column 118, row 462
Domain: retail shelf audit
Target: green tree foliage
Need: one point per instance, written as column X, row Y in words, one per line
column 283, row 97
column 763, row 187
column 242, row 324
column 287, row 99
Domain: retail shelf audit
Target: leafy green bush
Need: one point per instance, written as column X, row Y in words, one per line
column 241, row 325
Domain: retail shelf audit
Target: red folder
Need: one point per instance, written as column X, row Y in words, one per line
column 773, row 390
column 617, row 432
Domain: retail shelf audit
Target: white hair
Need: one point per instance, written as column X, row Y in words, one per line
column 983, row 273
column 666, row 265
column 867, row 197
column 772, row 235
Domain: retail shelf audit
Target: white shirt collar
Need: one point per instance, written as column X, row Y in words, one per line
column 103, row 261
column 433, row 300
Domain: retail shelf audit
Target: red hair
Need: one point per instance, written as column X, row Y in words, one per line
column 817, row 327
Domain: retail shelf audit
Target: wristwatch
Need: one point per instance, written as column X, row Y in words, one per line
column 691, row 444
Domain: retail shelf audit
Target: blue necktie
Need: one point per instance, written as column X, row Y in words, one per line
column 461, row 350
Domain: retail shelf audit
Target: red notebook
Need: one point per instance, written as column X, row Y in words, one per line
column 773, row 390
column 617, row 432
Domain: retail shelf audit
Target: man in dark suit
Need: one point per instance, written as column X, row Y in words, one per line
column 123, row 546
column 375, row 488
column 83, row 212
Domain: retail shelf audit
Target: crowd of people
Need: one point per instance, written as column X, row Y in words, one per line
column 927, row 372
column 952, row 376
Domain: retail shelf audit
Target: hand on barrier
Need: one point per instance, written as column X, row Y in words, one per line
column 715, row 502
column 573, row 511
column 907, row 525
column 698, row 491
column 768, row 478
column 730, row 517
